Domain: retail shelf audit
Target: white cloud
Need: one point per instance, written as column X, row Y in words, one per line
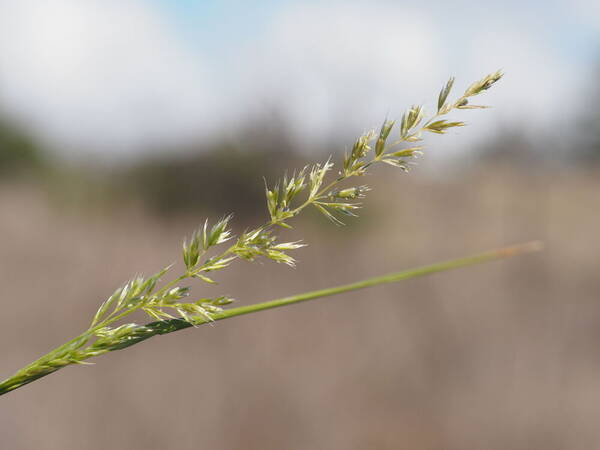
column 586, row 11
column 104, row 72
column 340, row 67
column 335, row 67
column 537, row 92
column 114, row 73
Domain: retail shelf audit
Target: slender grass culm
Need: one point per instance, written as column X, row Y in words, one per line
column 168, row 306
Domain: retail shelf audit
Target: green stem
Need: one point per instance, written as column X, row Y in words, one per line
column 384, row 279
column 24, row 376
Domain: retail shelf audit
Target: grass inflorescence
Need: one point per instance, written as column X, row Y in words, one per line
column 213, row 247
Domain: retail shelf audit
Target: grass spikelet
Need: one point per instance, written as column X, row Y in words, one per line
column 205, row 252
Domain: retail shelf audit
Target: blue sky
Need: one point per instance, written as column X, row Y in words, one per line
column 118, row 77
column 224, row 22
column 217, row 25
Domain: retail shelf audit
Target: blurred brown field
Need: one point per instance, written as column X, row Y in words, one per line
column 500, row 356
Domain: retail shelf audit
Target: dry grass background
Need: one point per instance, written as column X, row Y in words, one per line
column 502, row 356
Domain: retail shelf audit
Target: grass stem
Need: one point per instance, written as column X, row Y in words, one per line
column 22, row 377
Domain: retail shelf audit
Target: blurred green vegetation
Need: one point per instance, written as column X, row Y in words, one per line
column 18, row 150
column 588, row 128
column 220, row 177
column 217, row 177
column 227, row 174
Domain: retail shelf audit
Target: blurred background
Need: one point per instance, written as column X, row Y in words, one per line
column 123, row 124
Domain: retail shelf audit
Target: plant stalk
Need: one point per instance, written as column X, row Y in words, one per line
column 21, row 378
